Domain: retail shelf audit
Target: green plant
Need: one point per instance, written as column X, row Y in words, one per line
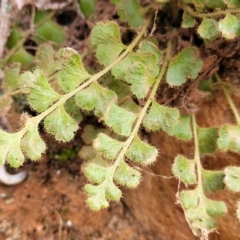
column 123, row 97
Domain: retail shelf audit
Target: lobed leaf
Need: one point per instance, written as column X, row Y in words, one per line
column 161, row 117
column 10, row 148
column 182, row 130
column 107, row 146
column 26, row 81
column 45, row 58
column 208, row 29
column 73, row 110
column 95, row 173
column 41, row 94
column 127, row 176
column 87, row 7
column 140, row 80
column 229, row 138
column 215, row 208
column 184, row 169
column 229, row 26
column 141, row 152
column 22, row 56
column 186, row 65
column 113, row 193
column 60, row 124
column 130, row 11
column 97, row 199
column 32, row 144
column 71, row 70
column 120, row 120
column 187, row 20
column 207, row 138
column 212, row 180
column 189, row 198
column 106, row 38
column 232, row 178
column 96, row 97
column 48, row 31
column 147, row 54
column 11, row 74
column 108, row 52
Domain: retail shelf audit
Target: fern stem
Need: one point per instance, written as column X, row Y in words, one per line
column 143, row 112
column 229, row 100
column 95, row 77
column 197, row 158
column 218, row 13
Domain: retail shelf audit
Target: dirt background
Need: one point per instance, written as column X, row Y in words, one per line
column 50, row 203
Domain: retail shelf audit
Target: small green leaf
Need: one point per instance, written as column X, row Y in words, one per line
column 229, row 26
column 45, row 58
column 151, row 56
column 187, row 20
column 87, row 7
column 73, row 110
column 113, row 193
column 161, row 117
column 208, row 29
column 114, row 119
column 105, row 32
column 141, row 152
column 10, row 148
column 26, row 81
column 212, row 180
column 97, row 199
column 184, row 169
column 186, row 65
column 215, row 208
column 189, row 198
column 108, row 52
column 48, row 31
column 130, row 11
column 96, row 97
column 107, row 146
column 127, row 176
column 41, row 95
column 207, row 138
column 182, row 130
column 147, row 54
column 22, row 56
column 140, row 80
column 94, row 172
column 60, row 124
column 71, row 70
column 232, row 178
column 32, row 144
column 11, row 74
column 15, row 36
column 106, row 38
column 229, row 138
